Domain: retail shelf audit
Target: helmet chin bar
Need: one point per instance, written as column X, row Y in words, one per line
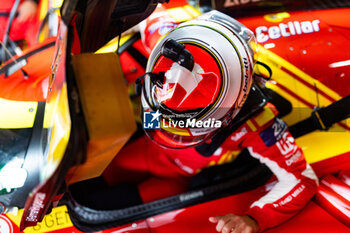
column 177, row 53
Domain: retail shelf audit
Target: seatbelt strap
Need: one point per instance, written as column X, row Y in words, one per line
column 323, row 118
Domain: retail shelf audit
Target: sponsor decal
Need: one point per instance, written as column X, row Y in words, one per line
column 162, row 27
column 292, row 28
column 246, row 87
column 273, row 133
column 239, row 135
column 290, row 196
column 295, row 157
column 5, row 225
column 286, row 145
column 151, row 120
column 57, row 219
column 193, row 195
column 38, row 205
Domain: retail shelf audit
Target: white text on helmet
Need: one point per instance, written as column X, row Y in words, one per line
column 246, row 75
column 264, row 33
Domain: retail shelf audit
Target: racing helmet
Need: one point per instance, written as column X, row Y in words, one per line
column 197, row 78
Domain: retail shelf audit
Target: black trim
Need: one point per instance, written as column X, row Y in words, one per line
column 127, row 44
column 284, row 107
column 139, row 57
column 67, row 10
column 76, row 148
column 256, row 100
column 4, row 14
column 323, row 118
column 90, row 220
column 177, row 53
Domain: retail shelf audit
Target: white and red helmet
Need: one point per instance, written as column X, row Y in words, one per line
column 197, row 79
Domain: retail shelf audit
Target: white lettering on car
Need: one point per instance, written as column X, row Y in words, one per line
column 286, row 145
column 264, row 33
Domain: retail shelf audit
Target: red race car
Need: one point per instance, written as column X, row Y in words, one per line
column 304, row 48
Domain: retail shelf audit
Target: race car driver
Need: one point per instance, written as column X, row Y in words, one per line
column 197, row 81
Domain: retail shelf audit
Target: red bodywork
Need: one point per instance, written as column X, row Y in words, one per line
column 329, row 211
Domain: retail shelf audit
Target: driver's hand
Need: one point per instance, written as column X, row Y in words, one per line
column 231, row 223
column 27, row 10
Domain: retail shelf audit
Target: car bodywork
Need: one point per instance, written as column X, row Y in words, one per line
column 305, row 50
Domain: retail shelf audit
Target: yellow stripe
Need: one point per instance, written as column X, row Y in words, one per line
column 193, row 11
column 57, row 117
column 251, row 125
column 233, row 156
column 265, row 116
column 300, row 110
column 211, row 163
column 58, row 219
column 44, row 6
column 317, row 146
column 276, row 62
column 57, row 3
column 223, row 157
column 278, row 17
column 17, row 114
column 112, row 45
column 181, row 14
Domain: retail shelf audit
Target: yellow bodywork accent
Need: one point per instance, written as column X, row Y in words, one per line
column 318, row 145
column 264, row 116
column 107, row 110
column 44, row 6
column 181, row 14
column 48, row 4
column 57, row 120
column 56, row 3
column 56, row 220
column 224, row 157
column 232, row 156
column 300, row 110
column 17, row 114
column 251, row 125
column 112, row 45
column 228, row 157
column 276, row 18
column 193, row 11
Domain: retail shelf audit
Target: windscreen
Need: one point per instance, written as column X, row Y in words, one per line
column 13, row 147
